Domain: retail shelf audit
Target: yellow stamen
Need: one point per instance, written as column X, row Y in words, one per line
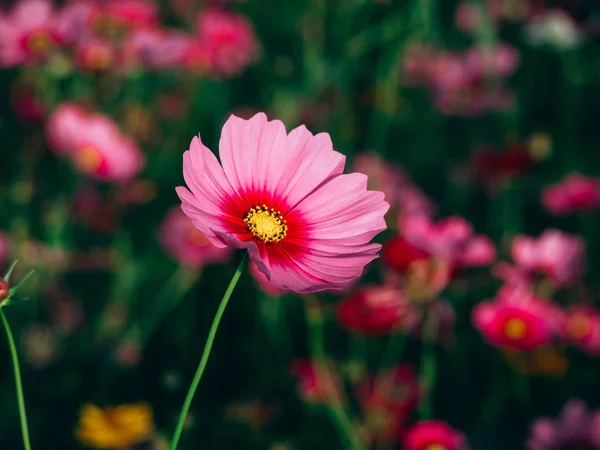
column 88, row 159
column 39, row 42
column 267, row 225
column 579, row 326
column 436, row 447
column 515, row 328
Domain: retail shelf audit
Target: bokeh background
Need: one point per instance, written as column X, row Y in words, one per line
column 482, row 111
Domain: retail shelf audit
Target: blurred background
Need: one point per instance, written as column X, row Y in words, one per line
column 479, row 121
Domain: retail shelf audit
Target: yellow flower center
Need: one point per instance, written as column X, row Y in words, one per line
column 579, row 326
column 39, row 42
column 515, row 328
column 436, row 447
column 266, row 224
column 88, row 159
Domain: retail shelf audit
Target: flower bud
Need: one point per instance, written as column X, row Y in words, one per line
column 3, row 290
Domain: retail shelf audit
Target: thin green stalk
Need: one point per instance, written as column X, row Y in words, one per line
column 428, row 366
column 334, row 407
column 20, row 397
column 205, row 354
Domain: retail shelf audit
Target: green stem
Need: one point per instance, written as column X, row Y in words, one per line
column 334, row 407
column 205, row 354
column 428, row 366
column 20, row 398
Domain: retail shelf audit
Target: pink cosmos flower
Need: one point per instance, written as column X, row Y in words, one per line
column 399, row 254
column 559, row 255
column 518, row 320
column 28, row 33
column 283, row 197
column 94, row 144
column 184, row 243
column 582, row 328
column 434, row 434
column 229, row 38
column 156, row 49
column 574, row 193
column 377, row 310
column 576, row 427
column 499, row 61
column 263, row 282
column 451, row 239
column 129, row 14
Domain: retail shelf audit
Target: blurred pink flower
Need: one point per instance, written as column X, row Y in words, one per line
column 154, row 48
column 198, row 58
column 5, row 247
column 388, row 400
column 559, row 255
column 95, row 54
column 28, row 33
column 574, row 193
column 284, row 198
column 41, row 345
column 94, row 144
column 434, row 434
column 576, row 427
column 130, row 14
column 178, row 237
column 229, row 38
column 316, row 384
column 263, row 282
column 377, row 310
column 499, row 61
column 582, row 328
column 448, row 71
column 451, row 239
column 516, row 319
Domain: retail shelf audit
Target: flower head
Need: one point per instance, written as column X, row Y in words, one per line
column 156, row 49
column 574, row 193
column 451, row 239
column 229, row 38
column 117, row 427
column 377, row 309
column 186, row 244
column 94, row 144
column 29, row 33
column 582, row 328
column 317, row 384
column 518, row 320
column 283, row 197
column 558, row 255
column 434, row 435
column 576, row 427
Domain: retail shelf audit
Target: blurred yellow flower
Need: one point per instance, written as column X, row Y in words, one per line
column 117, row 427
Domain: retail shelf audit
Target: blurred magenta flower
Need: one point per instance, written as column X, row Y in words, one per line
column 388, row 400
column 263, row 282
column 317, row 385
column 93, row 143
column 560, row 256
column 576, row 428
column 96, row 54
column 493, row 167
column 198, row 58
column 283, row 197
column 434, row 435
column 501, row 60
column 516, row 319
column 398, row 254
column 582, row 328
column 229, row 38
column 5, row 247
column 187, row 245
column 113, row 16
column 29, row 33
column 377, row 310
column 154, row 48
column 451, row 239
column 26, row 103
column 573, row 194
